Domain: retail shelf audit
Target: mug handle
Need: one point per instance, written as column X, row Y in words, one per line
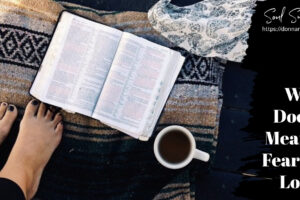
column 201, row 155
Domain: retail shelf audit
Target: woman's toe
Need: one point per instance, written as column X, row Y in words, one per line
column 59, row 129
column 31, row 108
column 7, row 121
column 3, row 107
column 10, row 115
column 49, row 114
column 57, row 119
column 42, row 110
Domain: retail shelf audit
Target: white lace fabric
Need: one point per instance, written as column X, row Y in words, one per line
column 210, row 28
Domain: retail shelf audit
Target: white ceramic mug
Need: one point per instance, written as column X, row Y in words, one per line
column 193, row 153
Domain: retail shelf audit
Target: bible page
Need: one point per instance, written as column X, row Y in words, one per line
column 133, row 84
column 174, row 67
column 76, row 64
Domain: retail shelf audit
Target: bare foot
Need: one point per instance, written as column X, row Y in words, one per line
column 38, row 138
column 8, row 114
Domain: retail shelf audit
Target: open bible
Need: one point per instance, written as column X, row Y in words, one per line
column 112, row 76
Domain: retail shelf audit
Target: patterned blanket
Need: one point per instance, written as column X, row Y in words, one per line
column 94, row 161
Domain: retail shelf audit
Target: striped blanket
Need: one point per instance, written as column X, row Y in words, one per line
column 94, row 161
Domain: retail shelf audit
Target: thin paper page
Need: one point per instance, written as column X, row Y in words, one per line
column 174, row 67
column 132, row 84
column 47, row 68
column 81, row 68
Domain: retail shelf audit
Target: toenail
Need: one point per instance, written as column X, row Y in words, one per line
column 35, row 102
column 11, row 108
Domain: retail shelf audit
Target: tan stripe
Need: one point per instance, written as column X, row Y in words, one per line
column 204, row 139
column 191, row 103
column 125, row 17
column 182, row 197
column 196, row 130
column 13, row 8
column 175, row 185
column 89, row 131
column 88, row 14
column 68, row 4
column 17, row 72
column 170, row 194
column 189, row 111
column 46, row 8
column 15, row 85
column 192, row 108
column 20, row 100
column 16, row 79
column 194, row 99
column 91, row 139
column 121, row 17
column 205, row 119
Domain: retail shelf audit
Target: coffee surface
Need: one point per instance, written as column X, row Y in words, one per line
column 174, row 147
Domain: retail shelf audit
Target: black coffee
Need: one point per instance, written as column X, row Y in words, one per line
column 174, row 147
